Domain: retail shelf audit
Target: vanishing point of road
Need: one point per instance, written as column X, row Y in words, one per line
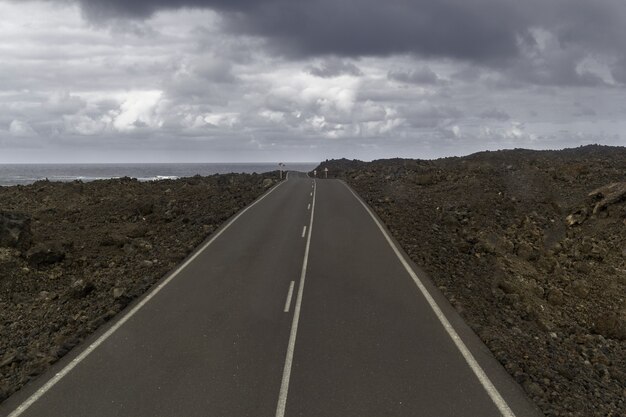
column 301, row 305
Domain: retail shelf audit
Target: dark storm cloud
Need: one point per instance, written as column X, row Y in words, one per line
column 479, row 29
column 455, row 28
column 486, row 31
column 419, row 76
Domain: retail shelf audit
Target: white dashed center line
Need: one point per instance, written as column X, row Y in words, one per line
column 289, row 294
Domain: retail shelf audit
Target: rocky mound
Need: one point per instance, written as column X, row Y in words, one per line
column 72, row 255
column 530, row 247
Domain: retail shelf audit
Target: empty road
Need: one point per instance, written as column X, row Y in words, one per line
column 301, row 305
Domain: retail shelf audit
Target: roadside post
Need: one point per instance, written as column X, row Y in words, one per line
column 280, row 169
column 326, row 173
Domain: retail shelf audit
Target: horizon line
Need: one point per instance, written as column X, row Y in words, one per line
column 158, row 162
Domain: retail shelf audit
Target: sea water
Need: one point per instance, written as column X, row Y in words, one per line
column 14, row 174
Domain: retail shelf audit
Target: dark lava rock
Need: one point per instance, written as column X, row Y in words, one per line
column 608, row 194
column 612, row 325
column 118, row 292
column 145, row 208
column 533, row 389
column 556, row 297
column 112, row 239
column 578, row 217
column 81, row 288
column 45, row 254
column 14, row 230
column 580, row 288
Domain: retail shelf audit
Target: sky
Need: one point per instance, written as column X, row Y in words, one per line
column 293, row 80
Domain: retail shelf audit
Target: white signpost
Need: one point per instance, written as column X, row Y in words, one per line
column 280, row 167
column 325, row 172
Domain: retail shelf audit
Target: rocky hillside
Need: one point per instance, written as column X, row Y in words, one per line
column 72, row 255
column 530, row 247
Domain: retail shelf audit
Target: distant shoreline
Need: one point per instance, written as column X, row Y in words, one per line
column 24, row 174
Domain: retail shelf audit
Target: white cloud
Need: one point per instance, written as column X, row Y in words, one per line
column 84, row 125
column 21, row 129
column 222, row 119
column 138, row 110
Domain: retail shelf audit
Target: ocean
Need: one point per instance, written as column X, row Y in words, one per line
column 14, row 174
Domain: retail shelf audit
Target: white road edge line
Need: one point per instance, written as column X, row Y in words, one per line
column 491, row 390
column 289, row 294
column 59, row 375
column 304, row 231
column 284, row 385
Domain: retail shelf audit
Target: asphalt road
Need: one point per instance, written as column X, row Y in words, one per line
column 300, row 306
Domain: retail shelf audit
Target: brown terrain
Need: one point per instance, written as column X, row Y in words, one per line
column 530, row 248
column 72, row 255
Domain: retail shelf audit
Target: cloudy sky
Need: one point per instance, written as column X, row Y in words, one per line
column 294, row 80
